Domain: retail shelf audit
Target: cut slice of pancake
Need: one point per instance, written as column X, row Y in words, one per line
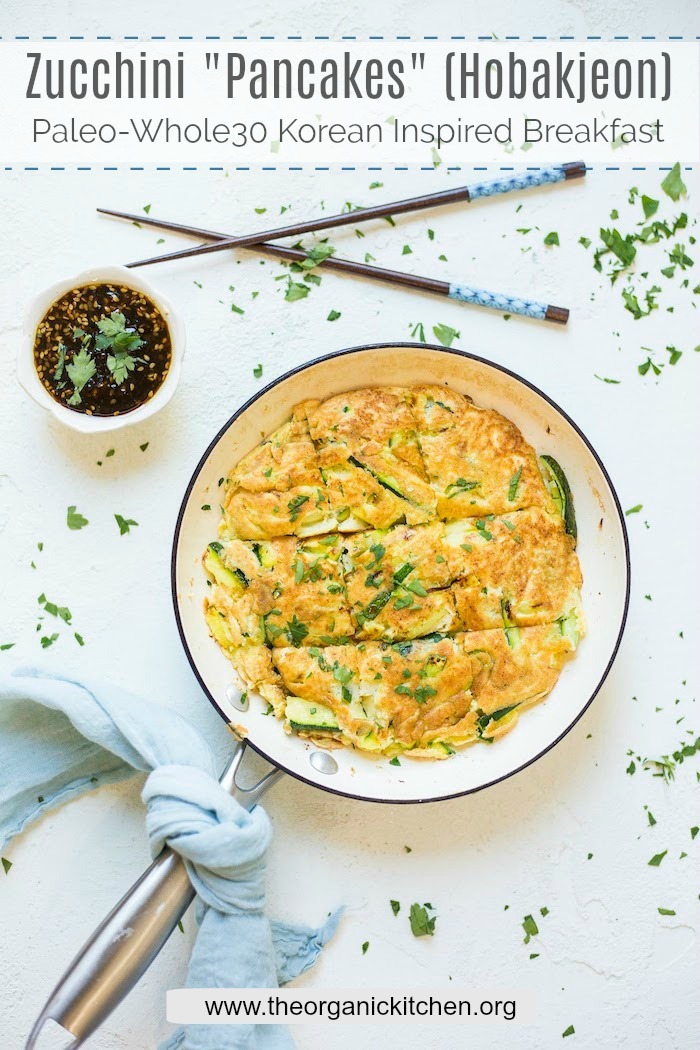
column 517, row 569
column 397, row 583
column 476, row 460
column 278, row 489
column 377, row 414
column 373, row 430
column 282, row 591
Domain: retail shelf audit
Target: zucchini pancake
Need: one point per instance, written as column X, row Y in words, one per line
column 396, row 571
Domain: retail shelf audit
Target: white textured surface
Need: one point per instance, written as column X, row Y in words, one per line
column 609, row 964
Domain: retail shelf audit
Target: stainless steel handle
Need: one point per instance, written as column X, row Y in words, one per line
column 125, row 944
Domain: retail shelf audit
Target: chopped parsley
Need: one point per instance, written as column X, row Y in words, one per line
column 80, row 371
column 333, row 315
column 125, row 524
column 673, row 185
column 657, row 858
column 365, row 946
column 395, row 907
column 294, row 506
column 296, row 631
column 568, row 1031
column 422, row 924
column 7, row 864
column 552, row 238
column 444, row 334
column 530, row 927
column 258, row 371
column 75, row 520
column 60, row 611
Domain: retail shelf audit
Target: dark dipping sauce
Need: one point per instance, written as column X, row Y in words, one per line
column 102, row 349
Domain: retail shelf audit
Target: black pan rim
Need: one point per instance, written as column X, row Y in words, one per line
column 399, row 346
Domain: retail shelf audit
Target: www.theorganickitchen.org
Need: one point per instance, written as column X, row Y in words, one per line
column 525, row 131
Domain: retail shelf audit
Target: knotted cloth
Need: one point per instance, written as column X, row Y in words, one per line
column 60, row 738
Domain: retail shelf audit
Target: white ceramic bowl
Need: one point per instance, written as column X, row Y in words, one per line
column 27, row 374
column 602, row 549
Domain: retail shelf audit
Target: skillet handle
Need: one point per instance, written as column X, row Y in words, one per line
column 125, row 944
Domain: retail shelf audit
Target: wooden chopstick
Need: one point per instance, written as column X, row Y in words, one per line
column 476, row 296
column 488, row 188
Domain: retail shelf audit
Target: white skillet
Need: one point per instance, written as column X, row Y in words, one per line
column 602, row 547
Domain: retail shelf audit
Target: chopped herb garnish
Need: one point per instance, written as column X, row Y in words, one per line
column 75, row 520
column 568, row 1031
column 296, row 631
column 552, row 238
column 258, row 371
column 365, row 946
column 294, row 506
column 657, row 858
column 333, row 315
column 445, row 335
column 530, row 927
column 673, row 184
column 80, row 371
column 422, row 925
column 7, row 864
column 395, row 907
column 125, row 524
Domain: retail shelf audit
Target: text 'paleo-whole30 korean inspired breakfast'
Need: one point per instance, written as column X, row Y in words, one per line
column 396, row 572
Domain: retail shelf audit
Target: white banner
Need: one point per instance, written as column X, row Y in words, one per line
column 348, row 1006
column 359, row 103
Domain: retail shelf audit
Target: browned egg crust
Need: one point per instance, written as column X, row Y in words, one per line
column 392, row 572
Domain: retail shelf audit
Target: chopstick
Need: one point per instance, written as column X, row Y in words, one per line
column 464, row 293
column 488, row 188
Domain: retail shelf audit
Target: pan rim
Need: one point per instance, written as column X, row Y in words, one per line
column 397, row 346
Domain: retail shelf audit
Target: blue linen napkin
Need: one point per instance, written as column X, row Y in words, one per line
column 60, row 738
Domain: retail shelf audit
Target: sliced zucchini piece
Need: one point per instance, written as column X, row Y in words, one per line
column 560, row 491
column 498, row 722
column 387, row 481
column 513, row 636
column 232, row 581
column 570, row 627
column 265, row 553
column 310, row 716
column 442, row 746
column 219, row 628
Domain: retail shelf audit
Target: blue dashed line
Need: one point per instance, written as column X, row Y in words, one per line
column 287, row 168
column 402, row 38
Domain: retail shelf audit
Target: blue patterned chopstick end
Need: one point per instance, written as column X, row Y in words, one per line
column 516, row 181
column 508, row 304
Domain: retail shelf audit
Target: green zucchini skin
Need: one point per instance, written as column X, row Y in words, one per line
column 555, row 478
column 233, row 581
column 309, row 717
